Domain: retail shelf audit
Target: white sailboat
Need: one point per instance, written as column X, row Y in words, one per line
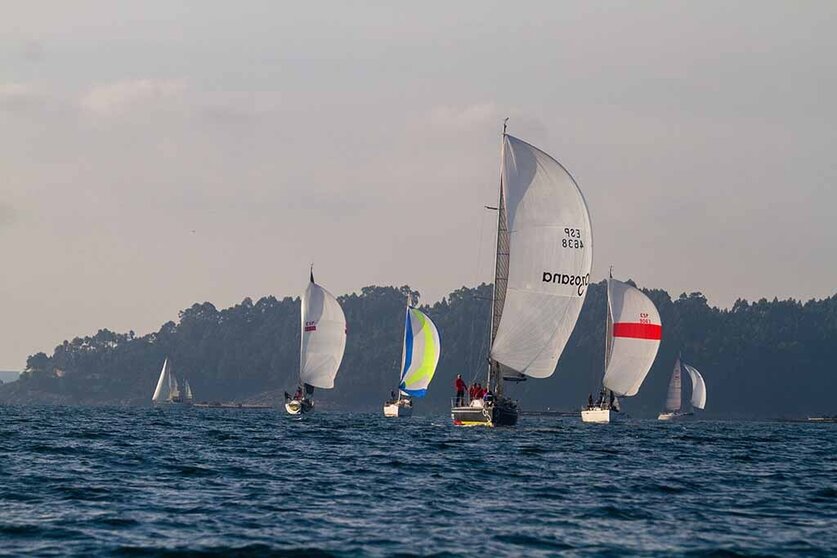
column 632, row 338
column 187, row 391
column 323, row 341
column 674, row 399
column 168, row 388
column 419, row 357
column 542, row 268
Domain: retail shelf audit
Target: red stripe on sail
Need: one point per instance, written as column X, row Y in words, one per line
column 638, row 331
column 310, row 328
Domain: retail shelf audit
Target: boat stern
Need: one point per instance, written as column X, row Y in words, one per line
column 503, row 412
column 596, row 415
column 297, row 407
column 398, row 410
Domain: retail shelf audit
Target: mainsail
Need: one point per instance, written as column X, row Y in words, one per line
column 165, row 387
column 420, row 354
column 323, row 337
column 543, row 260
column 673, row 398
column 187, row 390
column 635, row 337
column 698, row 387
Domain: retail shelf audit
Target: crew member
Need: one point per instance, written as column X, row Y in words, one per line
column 460, row 386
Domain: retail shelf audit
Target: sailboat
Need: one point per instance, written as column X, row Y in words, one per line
column 673, row 408
column 419, row 357
column 323, row 341
column 168, row 388
column 187, row 391
column 632, row 338
column 542, row 269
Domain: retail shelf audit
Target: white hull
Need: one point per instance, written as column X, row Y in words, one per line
column 295, row 407
column 596, row 415
column 394, row 410
column 672, row 416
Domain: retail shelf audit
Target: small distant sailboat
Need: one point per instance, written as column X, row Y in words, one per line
column 632, row 337
column 321, row 349
column 542, row 269
column 419, row 357
column 187, row 391
column 168, row 389
column 674, row 399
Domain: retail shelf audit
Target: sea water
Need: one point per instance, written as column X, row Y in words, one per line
column 145, row 482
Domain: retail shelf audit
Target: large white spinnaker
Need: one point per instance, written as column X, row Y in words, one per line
column 420, row 354
column 698, row 387
column 635, row 337
column 323, row 337
column 550, row 254
column 164, row 389
column 674, row 395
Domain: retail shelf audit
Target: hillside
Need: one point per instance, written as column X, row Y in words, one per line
column 762, row 359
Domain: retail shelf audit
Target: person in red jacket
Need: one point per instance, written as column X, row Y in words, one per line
column 460, row 386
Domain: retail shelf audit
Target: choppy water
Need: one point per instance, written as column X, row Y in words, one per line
column 142, row 482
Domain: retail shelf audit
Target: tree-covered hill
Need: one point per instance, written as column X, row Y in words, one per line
column 762, row 359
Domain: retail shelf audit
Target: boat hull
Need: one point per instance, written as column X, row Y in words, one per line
column 596, row 415
column 172, row 403
column 396, row 410
column 673, row 416
column 296, row 407
column 502, row 413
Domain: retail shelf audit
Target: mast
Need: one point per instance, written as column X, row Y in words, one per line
column 501, row 275
column 302, row 330
column 608, row 327
column 403, row 347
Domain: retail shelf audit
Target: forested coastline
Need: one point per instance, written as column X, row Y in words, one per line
column 760, row 359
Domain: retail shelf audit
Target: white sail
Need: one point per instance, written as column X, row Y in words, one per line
column 187, row 390
column 420, row 353
column 163, row 391
column 698, row 387
column 550, row 254
column 635, row 337
column 674, row 396
column 323, row 337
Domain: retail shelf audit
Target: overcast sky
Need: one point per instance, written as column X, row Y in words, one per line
column 155, row 154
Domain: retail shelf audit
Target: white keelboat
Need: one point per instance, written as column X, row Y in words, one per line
column 419, row 357
column 632, row 337
column 674, row 399
column 542, row 269
column 323, row 341
column 169, row 390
